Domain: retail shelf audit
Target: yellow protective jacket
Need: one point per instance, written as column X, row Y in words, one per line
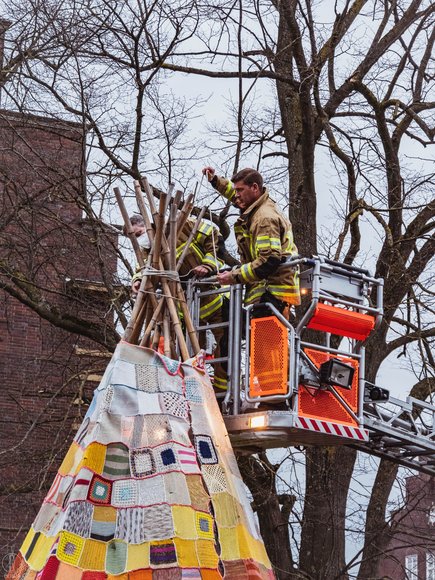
column 202, row 252
column 265, row 242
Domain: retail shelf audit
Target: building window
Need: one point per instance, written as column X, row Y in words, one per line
column 430, row 566
column 411, row 567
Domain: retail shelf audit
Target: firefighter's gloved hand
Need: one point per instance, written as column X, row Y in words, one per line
column 209, row 172
column 225, row 278
column 200, row 271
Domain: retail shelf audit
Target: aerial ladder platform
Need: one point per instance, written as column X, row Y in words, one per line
column 305, row 384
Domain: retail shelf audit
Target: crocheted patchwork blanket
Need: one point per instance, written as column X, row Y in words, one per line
column 150, row 488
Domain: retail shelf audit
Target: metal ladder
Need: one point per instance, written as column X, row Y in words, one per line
column 401, row 431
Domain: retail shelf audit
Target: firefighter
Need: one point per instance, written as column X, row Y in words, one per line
column 200, row 261
column 264, row 239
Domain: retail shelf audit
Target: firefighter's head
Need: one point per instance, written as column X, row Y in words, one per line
column 248, row 185
column 137, row 225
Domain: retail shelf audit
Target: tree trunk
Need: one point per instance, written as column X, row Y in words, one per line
column 259, row 475
column 329, row 472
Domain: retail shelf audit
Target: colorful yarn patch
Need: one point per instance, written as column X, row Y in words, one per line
column 142, row 462
column 79, row 518
column 165, row 458
column 116, row 557
column 70, row 548
column 125, row 493
column 100, row 490
column 199, row 498
column 103, row 523
column 174, row 404
column 193, row 393
column 117, row 461
column 205, row 449
column 215, row 478
column 151, row 491
column 187, row 459
column 204, row 525
column 172, row 383
column 162, row 553
column 147, row 378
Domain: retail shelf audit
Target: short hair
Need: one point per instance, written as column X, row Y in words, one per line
column 249, row 177
column 135, row 220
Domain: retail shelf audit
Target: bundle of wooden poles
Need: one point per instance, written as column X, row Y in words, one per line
column 160, row 298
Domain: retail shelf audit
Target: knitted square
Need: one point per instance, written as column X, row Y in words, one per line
column 100, row 490
column 142, row 462
column 165, row 458
column 184, row 522
column 168, row 382
column 117, row 463
column 158, row 429
column 147, row 378
column 123, row 373
column 107, row 398
column 171, row 366
column 70, row 548
column 81, row 485
column 179, row 430
column 130, row 525
column 174, row 404
column 93, row 556
column 226, row 510
column 124, row 401
column 151, row 490
column 204, row 525
column 199, row 497
column 187, row 459
column 79, row 518
column 158, row 524
column 207, row 555
column 176, row 491
column 187, row 557
column 125, row 493
column 149, row 403
column 205, row 449
column 162, row 553
column 193, row 390
column 190, row 574
column 103, row 523
column 116, row 557
column 214, row 477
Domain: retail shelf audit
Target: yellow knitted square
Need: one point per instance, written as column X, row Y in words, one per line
column 71, row 460
column 186, row 553
column 70, row 548
column 94, row 457
column 204, row 525
column 138, row 556
column 225, row 509
column 104, row 513
column 27, row 541
column 229, row 544
column 93, row 556
column 41, row 551
column 184, row 522
column 207, row 555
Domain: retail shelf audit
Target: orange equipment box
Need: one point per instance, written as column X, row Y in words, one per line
column 341, row 321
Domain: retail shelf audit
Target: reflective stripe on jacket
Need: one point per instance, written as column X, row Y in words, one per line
column 265, row 241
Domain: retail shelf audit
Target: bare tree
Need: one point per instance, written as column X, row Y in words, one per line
column 354, row 82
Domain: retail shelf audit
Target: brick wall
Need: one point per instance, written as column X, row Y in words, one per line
column 413, row 530
column 43, row 394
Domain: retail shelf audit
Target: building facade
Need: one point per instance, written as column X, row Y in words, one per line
column 410, row 554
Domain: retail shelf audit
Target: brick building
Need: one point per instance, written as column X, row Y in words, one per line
column 53, row 262
column 410, row 554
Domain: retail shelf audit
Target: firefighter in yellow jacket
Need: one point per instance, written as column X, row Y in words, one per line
column 201, row 260
column 264, row 239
